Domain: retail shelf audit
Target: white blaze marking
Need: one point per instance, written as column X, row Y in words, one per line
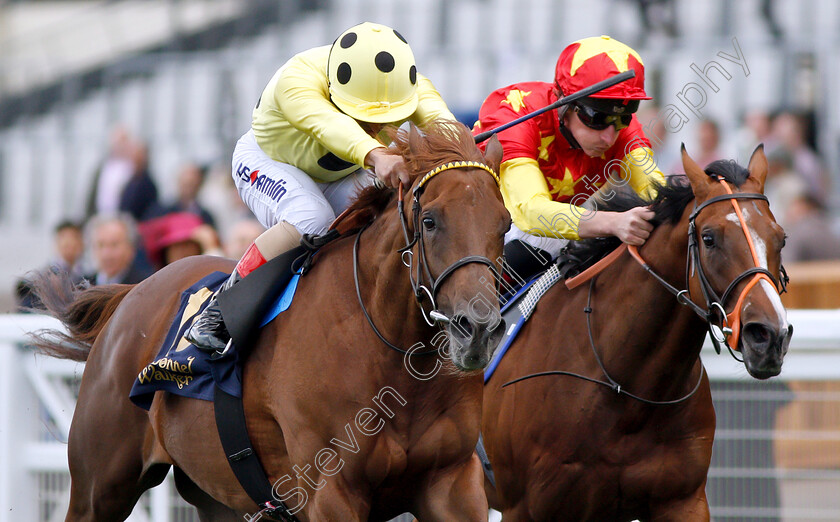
column 761, row 254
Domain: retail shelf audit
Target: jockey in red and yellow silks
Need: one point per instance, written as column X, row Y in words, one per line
column 553, row 162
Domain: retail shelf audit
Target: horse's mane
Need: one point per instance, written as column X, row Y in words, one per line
column 439, row 142
column 668, row 206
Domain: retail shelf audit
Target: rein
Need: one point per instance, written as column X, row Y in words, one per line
column 420, row 289
column 610, row 382
column 715, row 305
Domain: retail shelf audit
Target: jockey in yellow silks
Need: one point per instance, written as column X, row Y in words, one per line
column 315, row 132
column 553, row 162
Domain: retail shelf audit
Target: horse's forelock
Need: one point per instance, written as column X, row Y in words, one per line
column 439, row 142
column 728, row 170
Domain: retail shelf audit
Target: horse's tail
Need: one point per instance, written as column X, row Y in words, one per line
column 83, row 310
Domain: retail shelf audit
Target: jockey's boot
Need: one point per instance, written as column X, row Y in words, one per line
column 208, row 331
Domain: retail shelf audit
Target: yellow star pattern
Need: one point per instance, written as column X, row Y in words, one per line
column 595, row 46
column 515, row 99
column 544, row 143
column 563, row 187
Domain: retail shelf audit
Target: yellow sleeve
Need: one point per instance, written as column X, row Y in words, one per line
column 302, row 95
column 644, row 173
column 529, row 202
column 430, row 105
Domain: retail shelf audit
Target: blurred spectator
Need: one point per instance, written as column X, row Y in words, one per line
column 789, row 130
column 810, row 236
column 190, row 179
column 240, row 236
column 112, row 175
column 113, row 239
column 139, row 196
column 658, row 14
column 178, row 235
column 708, row 141
column 664, row 152
column 69, row 247
column 782, row 184
column 755, row 130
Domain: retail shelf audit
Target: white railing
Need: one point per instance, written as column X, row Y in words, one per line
column 37, row 399
column 777, row 447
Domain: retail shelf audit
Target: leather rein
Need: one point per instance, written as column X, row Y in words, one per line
column 424, row 285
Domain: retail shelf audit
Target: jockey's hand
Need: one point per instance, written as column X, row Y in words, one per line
column 633, row 226
column 389, row 168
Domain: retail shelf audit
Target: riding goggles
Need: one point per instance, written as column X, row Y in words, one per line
column 599, row 121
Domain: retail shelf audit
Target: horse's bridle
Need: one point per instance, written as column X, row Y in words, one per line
column 421, row 290
column 419, row 267
column 714, row 314
column 714, row 304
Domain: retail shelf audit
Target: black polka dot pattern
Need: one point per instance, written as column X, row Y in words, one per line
column 384, row 61
column 400, row 36
column 347, row 40
column 412, row 74
column 343, row 73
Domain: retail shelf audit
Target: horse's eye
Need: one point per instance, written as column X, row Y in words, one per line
column 708, row 240
column 428, row 223
column 784, row 241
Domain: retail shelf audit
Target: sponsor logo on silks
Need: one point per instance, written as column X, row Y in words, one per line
column 274, row 189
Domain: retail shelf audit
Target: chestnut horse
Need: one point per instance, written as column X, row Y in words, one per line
column 368, row 432
column 618, row 423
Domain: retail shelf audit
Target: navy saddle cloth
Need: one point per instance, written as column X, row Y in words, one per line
column 180, row 367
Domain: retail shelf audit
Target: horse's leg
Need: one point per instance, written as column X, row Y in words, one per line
column 209, row 509
column 455, row 493
column 694, row 508
column 109, row 451
column 337, row 501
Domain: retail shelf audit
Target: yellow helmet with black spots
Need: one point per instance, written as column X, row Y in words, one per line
column 372, row 74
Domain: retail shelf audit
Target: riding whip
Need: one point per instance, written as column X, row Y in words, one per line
column 583, row 93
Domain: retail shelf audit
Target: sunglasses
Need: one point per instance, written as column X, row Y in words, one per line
column 599, row 120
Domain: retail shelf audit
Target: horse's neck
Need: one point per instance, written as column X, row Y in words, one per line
column 667, row 336
column 385, row 285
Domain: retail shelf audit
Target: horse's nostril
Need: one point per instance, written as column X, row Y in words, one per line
column 462, row 325
column 759, row 335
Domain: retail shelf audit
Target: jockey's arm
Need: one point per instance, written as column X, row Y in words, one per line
column 529, row 201
column 644, row 172
column 304, row 99
column 430, row 105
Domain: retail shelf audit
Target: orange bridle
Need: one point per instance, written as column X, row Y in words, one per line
column 730, row 324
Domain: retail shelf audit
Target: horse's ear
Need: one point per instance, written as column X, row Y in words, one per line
column 758, row 167
column 700, row 181
column 414, row 138
column 493, row 153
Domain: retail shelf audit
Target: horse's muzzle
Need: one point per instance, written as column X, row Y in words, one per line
column 764, row 349
column 472, row 342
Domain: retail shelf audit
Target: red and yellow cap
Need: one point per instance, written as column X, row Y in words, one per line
column 591, row 60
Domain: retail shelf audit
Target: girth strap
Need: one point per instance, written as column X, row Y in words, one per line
column 243, row 460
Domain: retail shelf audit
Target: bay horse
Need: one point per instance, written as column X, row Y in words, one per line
column 368, row 432
column 612, row 416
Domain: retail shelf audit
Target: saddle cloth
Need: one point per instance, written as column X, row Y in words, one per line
column 183, row 369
